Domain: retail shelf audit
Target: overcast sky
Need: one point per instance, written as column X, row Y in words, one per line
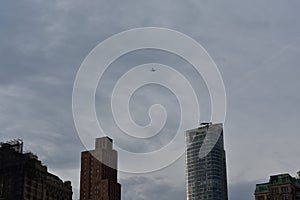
column 255, row 44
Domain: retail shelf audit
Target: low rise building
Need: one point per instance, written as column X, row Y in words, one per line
column 24, row 177
column 279, row 187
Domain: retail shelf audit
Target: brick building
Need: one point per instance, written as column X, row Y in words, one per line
column 279, row 187
column 23, row 177
column 98, row 178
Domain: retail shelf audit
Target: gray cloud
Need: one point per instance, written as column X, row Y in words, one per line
column 146, row 188
column 255, row 45
column 238, row 190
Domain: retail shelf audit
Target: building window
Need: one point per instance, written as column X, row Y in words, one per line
column 284, row 180
column 275, row 190
column 284, row 189
column 285, row 197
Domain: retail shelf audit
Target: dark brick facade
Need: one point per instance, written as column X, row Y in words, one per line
column 23, row 177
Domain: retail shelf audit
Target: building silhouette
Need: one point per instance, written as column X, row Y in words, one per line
column 98, row 177
column 205, row 163
column 279, row 187
column 23, row 177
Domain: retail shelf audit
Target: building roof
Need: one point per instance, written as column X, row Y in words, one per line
column 277, row 180
column 205, row 126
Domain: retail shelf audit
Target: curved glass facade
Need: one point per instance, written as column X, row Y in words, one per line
column 206, row 163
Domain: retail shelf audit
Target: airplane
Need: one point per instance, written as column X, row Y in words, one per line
column 153, row 69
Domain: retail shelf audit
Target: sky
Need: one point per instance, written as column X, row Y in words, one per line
column 255, row 44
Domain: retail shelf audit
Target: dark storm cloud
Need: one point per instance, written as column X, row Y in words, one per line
column 254, row 43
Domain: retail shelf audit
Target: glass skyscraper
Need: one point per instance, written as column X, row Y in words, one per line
column 206, row 163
